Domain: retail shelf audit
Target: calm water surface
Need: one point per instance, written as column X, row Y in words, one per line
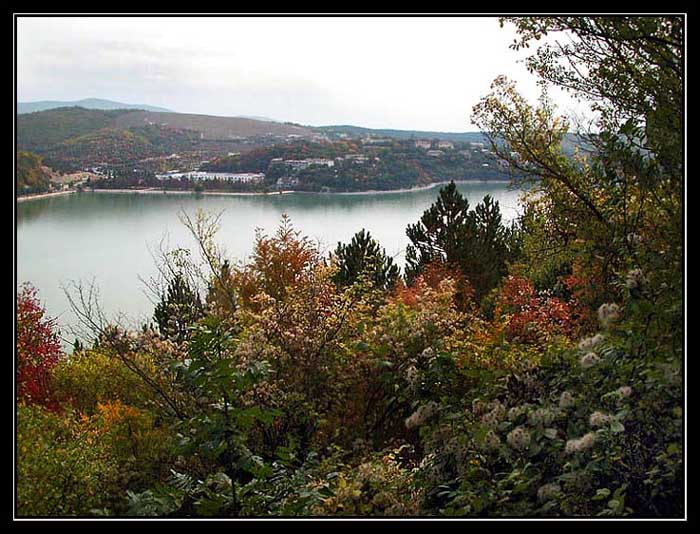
column 108, row 237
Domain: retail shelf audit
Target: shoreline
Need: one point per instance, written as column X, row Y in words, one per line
column 44, row 195
column 192, row 193
column 289, row 191
column 411, row 189
column 258, row 193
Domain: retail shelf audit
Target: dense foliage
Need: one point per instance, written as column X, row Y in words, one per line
column 30, row 175
column 530, row 370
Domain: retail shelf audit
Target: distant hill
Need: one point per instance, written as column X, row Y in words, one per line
column 44, row 129
column 356, row 131
column 212, row 127
column 74, row 137
column 256, row 118
column 569, row 144
column 71, row 138
column 87, row 103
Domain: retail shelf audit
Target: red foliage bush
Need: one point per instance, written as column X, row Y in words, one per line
column 38, row 349
column 530, row 314
column 432, row 275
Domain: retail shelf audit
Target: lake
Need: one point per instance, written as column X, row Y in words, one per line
column 108, row 237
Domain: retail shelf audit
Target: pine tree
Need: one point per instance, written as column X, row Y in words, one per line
column 476, row 242
column 439, row 234
column 484, row 258
column 179, row 308
column 363, row 256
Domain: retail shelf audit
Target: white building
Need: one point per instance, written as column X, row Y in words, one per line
column 445, row 144
column 376, row 141
column 287, row 181
column 300, row 164
column 201, row 176
column 356, row 158
column 422, row 143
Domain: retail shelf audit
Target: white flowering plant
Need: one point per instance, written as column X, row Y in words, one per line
column 562, row 439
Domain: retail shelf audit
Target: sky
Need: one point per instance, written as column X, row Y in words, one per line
column 403, row 73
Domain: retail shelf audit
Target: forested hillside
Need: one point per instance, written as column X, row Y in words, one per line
column 74, row 138
column 42, row 130
column 356, row 166
column 212, row 127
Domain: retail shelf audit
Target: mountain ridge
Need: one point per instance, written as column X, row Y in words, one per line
column 86, row 103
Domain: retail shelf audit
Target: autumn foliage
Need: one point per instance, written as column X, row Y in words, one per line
column 38, row 349
column 529, row 314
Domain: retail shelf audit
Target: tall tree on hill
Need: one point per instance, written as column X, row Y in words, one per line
column 476, row 242
column 439, row 233
column 484, row 254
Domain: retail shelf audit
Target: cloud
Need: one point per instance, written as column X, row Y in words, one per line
column 417, row 73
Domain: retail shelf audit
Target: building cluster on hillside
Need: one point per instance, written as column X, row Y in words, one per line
column 427, row 144
column 381, row 141
column 319, row 138
column 98, row 170
column 355, row 158
column 423, row 143
column 300, row 164
column 197, row 176
column 287, row 181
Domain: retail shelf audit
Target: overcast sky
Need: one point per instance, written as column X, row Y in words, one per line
column 405, row 73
